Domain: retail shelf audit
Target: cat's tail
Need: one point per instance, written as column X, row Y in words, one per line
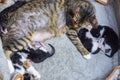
column 52, row 52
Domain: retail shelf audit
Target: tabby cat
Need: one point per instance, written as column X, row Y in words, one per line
column 37, row 20
column 80, row 13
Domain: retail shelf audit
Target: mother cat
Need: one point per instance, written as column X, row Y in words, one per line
column 40, row 20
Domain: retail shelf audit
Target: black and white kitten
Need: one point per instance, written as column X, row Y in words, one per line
column 101, row 38
column 32, row 54
column 110, row 39
column 87, row 39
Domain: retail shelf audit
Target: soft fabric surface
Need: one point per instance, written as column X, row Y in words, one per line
column 5, row 5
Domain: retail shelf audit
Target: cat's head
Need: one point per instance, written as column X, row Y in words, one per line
column 82, row 14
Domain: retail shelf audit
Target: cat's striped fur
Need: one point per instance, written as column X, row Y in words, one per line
column 33, row 21
column 80, row 13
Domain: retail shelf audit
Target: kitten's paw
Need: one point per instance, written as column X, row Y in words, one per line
column 87, row 56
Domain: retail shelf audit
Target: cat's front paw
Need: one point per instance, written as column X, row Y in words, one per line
column 87, row 56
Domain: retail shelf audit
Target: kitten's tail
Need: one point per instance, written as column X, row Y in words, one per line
column 52, row 52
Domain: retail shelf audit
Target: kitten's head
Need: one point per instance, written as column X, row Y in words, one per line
column 97, row 32
column 82, row 14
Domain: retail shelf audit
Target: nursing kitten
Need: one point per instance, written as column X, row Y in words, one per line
column 37, row 20
column 101, row 38
column 23, row 59
column 89, row 42
column 80, row 13
column 110, row 39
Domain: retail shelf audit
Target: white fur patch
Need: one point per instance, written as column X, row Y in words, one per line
column 10, row 65
column 43, row 49
column 88, row 35
column 36, row 74
column 101, row 32
column 95, row 46
column 87, row 56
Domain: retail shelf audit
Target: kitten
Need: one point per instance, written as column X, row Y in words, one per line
column 80, row 13
column 88, row 41
column 102, row 38
column 23, row 59
column 111, row 40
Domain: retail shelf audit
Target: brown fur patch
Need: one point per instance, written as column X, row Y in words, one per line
column 4, row 1
column 26, row 64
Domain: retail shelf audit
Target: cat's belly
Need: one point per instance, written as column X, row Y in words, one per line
column 36, row 20
column 41, row 36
